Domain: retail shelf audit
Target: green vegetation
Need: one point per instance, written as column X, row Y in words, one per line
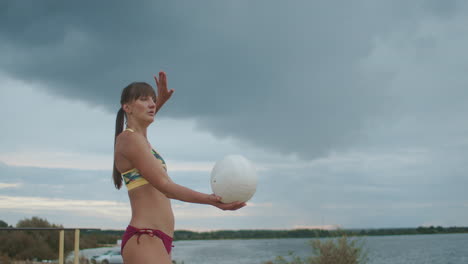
column 43, row 245
column 29, row 244
column 3, row 223
column 341, row 250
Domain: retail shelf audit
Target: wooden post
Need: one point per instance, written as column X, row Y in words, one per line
column 61, row 245
column 77, row 247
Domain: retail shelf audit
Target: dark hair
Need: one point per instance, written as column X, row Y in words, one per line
column 130, row 93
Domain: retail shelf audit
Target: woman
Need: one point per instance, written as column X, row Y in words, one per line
column 148, row 238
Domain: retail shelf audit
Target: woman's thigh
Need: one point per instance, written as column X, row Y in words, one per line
column 150, row 250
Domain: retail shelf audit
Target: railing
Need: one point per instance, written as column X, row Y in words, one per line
column 61, row 239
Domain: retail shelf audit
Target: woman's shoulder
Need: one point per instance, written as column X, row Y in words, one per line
column 128, row 139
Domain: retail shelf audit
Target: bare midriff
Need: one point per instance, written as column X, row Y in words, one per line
column 151, row 209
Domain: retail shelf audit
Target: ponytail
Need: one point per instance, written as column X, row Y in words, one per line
column 119, row 124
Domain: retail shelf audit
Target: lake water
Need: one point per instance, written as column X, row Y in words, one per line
column 406, row 249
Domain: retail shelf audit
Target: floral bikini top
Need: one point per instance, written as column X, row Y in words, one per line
column 133, row 178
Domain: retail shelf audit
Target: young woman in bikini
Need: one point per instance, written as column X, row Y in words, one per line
column 148, row 237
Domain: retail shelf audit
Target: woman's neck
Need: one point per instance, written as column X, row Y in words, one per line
column 138, row 128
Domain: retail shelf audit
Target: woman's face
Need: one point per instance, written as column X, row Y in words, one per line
column 143, row 108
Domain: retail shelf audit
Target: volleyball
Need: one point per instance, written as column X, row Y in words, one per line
column 234, row 178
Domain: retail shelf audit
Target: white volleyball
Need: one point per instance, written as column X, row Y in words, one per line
column 234, row 179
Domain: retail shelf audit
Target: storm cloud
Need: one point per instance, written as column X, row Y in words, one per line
column 299, row 77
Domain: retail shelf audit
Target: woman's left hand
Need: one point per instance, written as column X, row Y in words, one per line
column 215, row 200
column 163, row 93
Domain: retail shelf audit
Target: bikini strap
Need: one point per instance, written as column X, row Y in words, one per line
column 129, row 129
column 143, row 231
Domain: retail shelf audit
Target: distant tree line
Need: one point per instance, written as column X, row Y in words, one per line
column 313, row 233
column 43, row 245
column 250, row 234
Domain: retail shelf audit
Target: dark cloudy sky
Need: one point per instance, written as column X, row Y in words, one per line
column 354, row 112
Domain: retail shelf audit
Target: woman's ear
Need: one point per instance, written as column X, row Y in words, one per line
column 126, row 108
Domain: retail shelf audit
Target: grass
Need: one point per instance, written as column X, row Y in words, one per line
column 342, row 250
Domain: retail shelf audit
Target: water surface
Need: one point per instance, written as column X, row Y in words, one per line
column 405, row 249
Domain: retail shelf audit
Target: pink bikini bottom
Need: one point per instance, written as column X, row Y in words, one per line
column 131, row 231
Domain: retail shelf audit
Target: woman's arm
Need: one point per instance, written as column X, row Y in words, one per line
column 185, row 194
column 138, row 153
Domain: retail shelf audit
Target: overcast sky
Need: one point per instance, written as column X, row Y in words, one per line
column 354, row 112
